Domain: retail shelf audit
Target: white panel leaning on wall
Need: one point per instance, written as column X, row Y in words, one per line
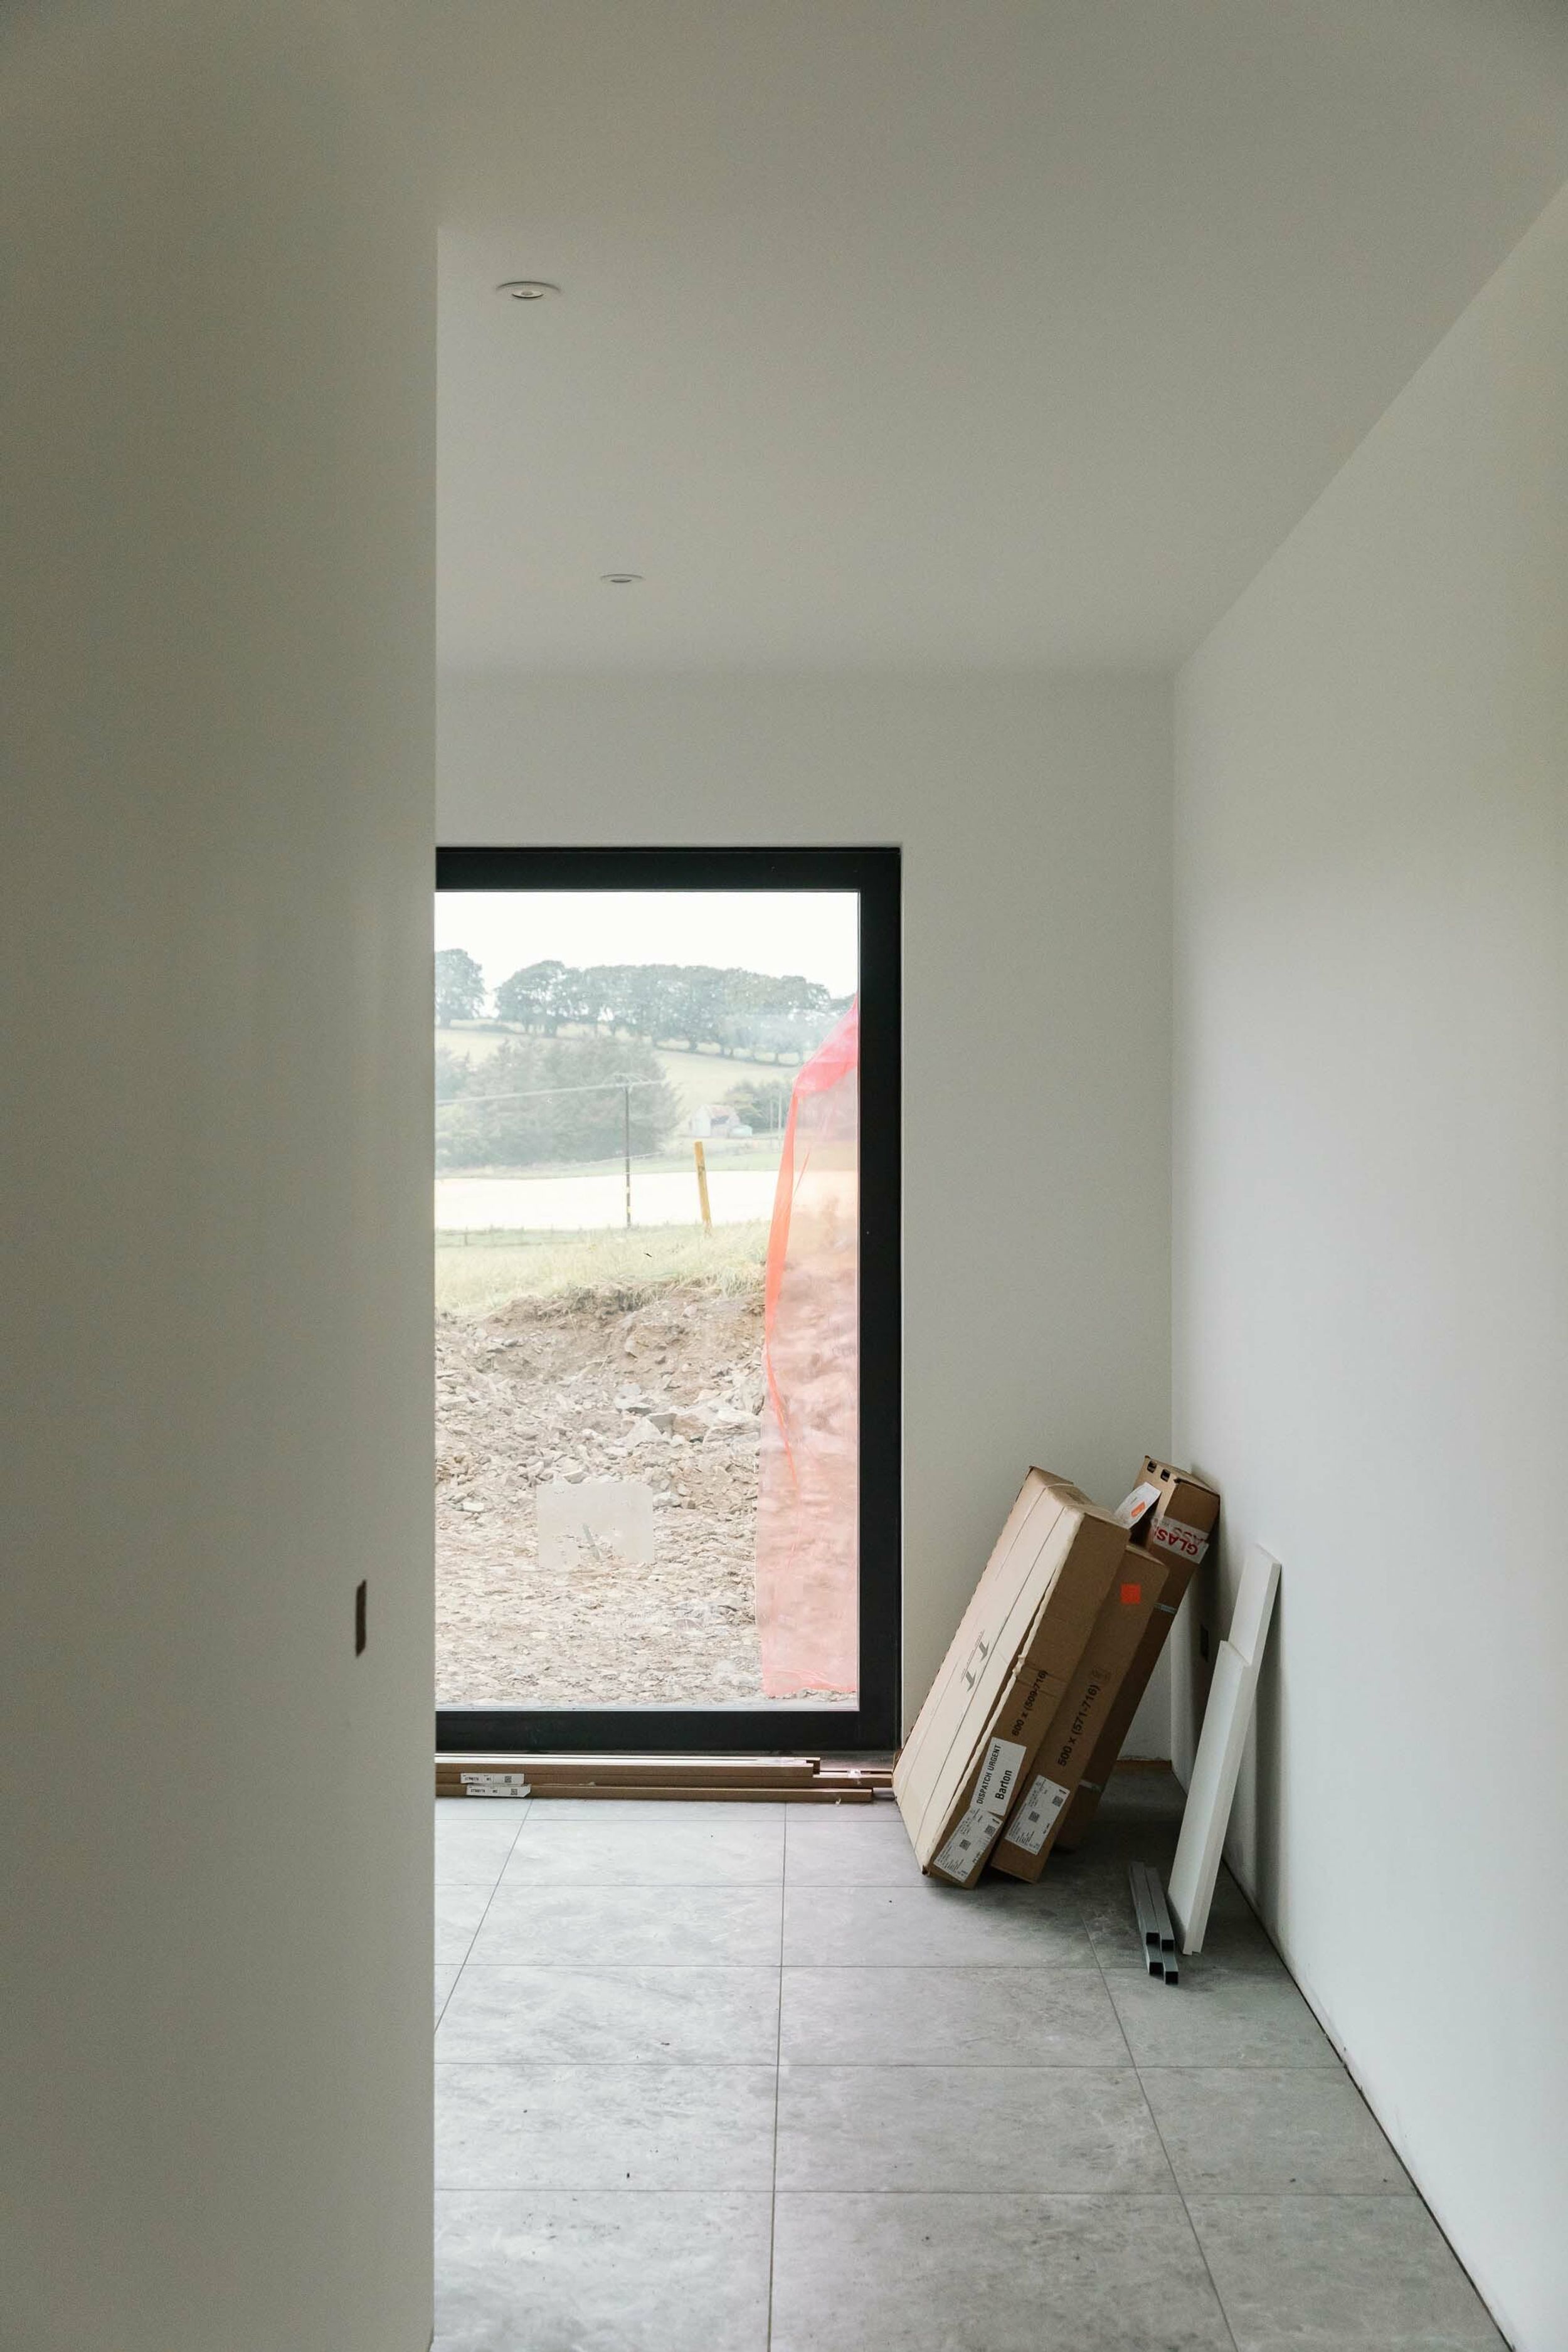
column 1218, row 1761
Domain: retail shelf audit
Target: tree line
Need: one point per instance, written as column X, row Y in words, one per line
column 537, row 1099
column 751, row 1014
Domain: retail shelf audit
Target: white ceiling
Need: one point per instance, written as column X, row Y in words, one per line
column 943, row 332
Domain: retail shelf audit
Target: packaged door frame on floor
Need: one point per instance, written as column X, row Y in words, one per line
column 874, row 874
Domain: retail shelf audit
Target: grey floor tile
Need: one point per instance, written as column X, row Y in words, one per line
column 564, row 2272
column 1109, row 1846
column 588, row 2127
column 594, row 1843
column 560, row 2016
column 999, row 2273
column 616, row 1927
column 950, row 2017
column 479, row 1816
column 473, row 1838
column 1233, row 1940
column 968, row 2127
column 1338, row 2275
column 1111, row 1843
column 855, row 1845
column 956, row 2070
column 1220, row 2019
column 1096, row 1878
column 459, row 1910
column 994, row 1924
column 1262, row 2130
column 1138, row 1801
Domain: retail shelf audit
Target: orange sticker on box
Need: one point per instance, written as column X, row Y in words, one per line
column 1131, row 1595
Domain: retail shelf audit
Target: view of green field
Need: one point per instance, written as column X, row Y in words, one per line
column 694, row 1077
column 614, row 1270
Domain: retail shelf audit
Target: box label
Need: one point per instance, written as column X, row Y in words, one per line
column 1139, row 1504
column 517, row 1788
column 971, row 1842
column 1038, row 1813
column 1170, row 1534
column 998, row 1781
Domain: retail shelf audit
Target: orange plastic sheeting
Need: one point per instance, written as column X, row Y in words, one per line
column 808, row 1501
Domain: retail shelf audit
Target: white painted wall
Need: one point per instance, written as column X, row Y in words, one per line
column 1371, row 1253
column 1034, row 814
column 218, row 400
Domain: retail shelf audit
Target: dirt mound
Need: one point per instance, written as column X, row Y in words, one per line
column 667, row 1391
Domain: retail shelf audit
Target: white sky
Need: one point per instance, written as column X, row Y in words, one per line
column 813, row 932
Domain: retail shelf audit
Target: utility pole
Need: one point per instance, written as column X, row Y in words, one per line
column 626, row 1145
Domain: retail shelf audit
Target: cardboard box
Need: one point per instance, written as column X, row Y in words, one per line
column 1063, row 1754
column 1178, row 1521
column 1008, row 1666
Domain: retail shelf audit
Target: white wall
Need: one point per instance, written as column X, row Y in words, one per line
column 1372, row 1251
column 217, row 397
column 1034, row 814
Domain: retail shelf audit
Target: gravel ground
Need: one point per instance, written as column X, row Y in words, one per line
column 545, row 1389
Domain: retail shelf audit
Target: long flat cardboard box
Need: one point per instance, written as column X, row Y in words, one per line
column 1179, row 1523
column 1043, row 1792
column 1006, row 1670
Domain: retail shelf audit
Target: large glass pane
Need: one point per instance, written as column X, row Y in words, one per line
column 647, row 1287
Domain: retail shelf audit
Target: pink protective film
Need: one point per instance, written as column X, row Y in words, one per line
column 808, row 1501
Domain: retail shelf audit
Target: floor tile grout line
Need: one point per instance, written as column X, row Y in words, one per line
column 1187, row 2211
column 626, row 2065
column 778, row 2053
column 1100, row 2196
column 848, row 2066
column 1087, row 2195
column 1175, row 2179
column 1100, row 1969
column 1154, row 2121
column 524, row 1809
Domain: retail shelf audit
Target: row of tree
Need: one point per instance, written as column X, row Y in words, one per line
column 537, row 1099
column 696, row 1005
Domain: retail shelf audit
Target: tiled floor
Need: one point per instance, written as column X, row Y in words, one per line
column 736, row 2079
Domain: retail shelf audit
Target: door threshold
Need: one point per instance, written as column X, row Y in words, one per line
column 711, row 1780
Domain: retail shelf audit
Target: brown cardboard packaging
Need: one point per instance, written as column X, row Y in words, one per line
column 1064, row 1752
column 1178, row 1531
column 1006, row 1670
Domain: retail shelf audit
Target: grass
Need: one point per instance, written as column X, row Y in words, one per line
column 702, row 1077
column 621, row 1269
column 720, row 1151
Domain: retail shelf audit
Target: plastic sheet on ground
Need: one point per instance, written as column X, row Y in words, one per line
column 808, row 1499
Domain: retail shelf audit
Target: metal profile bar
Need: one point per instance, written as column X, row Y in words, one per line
column 1168, row 1955
column 1148, row 1925
column 1162, row 1912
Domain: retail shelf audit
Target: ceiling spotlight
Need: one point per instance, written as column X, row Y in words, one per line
column 620, row 579
column 527, row 289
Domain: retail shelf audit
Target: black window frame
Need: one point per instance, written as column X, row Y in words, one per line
column 873, row 873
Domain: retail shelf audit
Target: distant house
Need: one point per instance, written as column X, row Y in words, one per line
column 716, row 1119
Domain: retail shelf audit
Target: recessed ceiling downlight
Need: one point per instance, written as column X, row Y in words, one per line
column 621, row 578
column 527, row 289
